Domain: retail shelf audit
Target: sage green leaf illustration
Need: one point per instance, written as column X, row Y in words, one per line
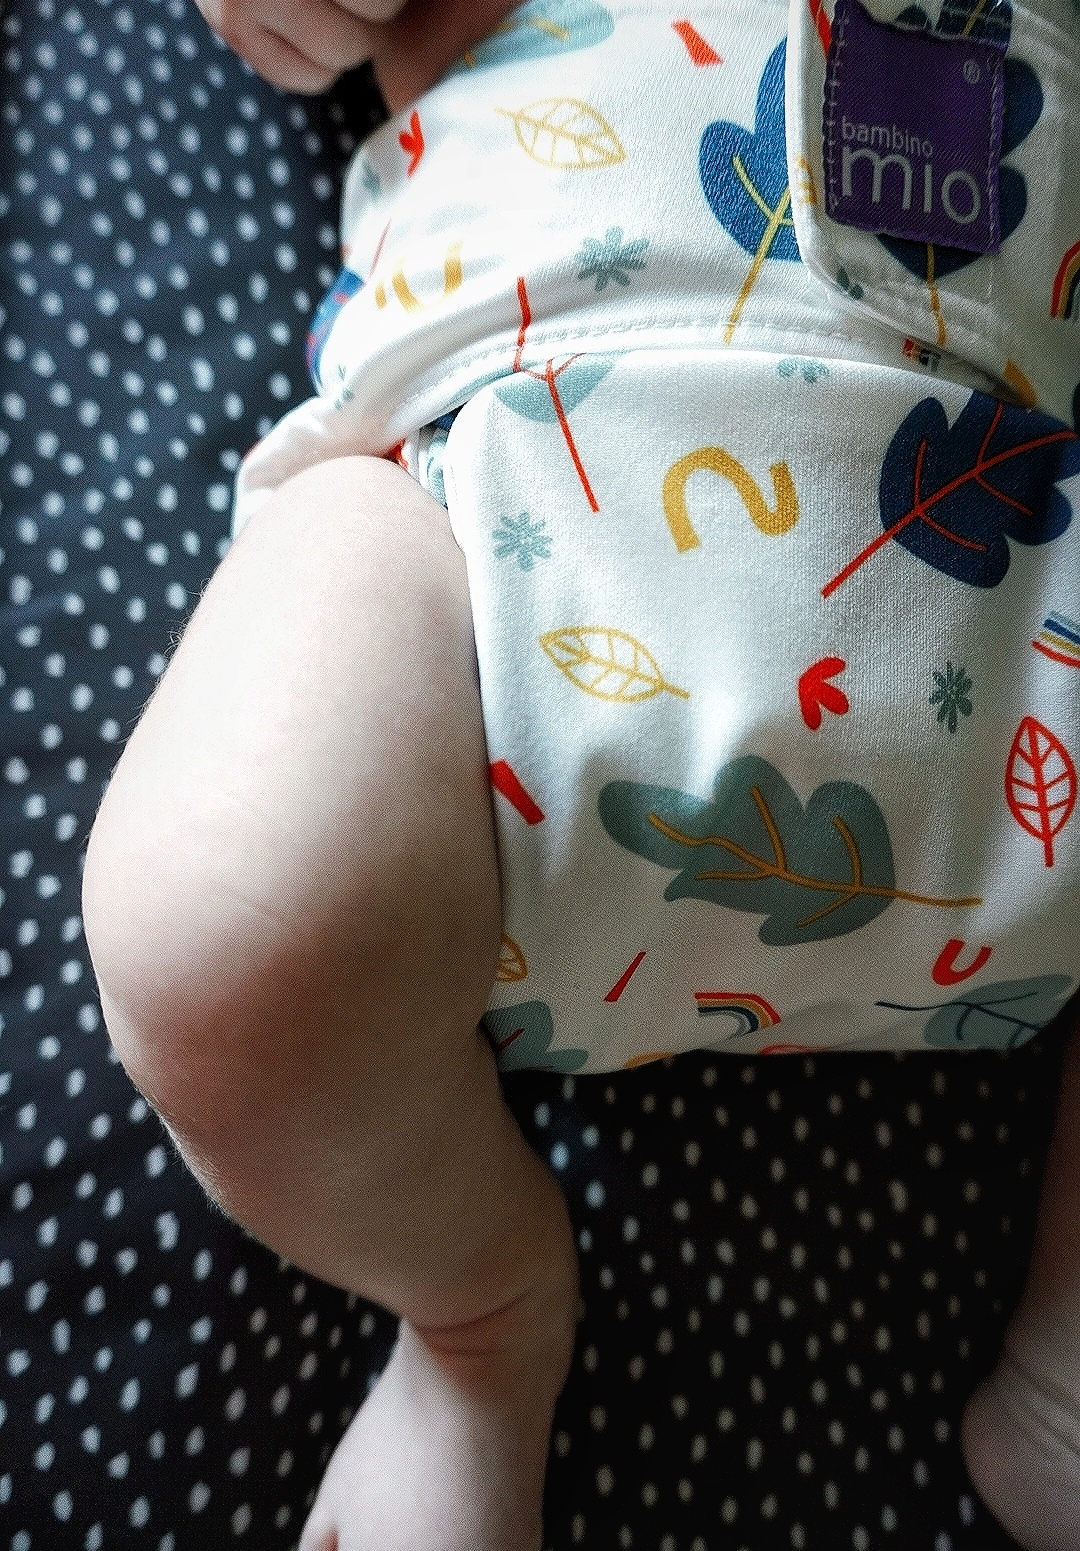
column 522, row 1037
column 995, row 1017
column 813, row 872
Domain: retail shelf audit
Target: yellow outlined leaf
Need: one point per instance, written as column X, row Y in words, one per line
column 566, row 133
column 512, row 965
column 607, row 663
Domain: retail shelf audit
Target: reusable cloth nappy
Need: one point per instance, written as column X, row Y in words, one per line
column 766, row 485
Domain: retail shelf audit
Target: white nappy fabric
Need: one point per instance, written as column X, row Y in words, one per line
column 768, row 517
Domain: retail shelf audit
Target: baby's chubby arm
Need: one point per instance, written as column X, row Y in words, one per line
column 304, row 45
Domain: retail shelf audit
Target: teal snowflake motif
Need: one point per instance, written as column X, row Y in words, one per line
column 523, row 537
column 610, row 259
column 810, row 370
column 951, row 695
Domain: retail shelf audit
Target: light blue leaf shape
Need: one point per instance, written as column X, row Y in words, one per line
column 531, row 396
column 536, row 31
column 998, row 1017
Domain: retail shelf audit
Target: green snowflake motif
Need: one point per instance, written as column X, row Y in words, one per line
column 951, row 695
column 610, row 259
column 523, row 537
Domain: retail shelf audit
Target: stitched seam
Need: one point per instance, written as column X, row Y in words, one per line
column 832, row 90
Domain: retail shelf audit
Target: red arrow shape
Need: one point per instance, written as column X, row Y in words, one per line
column 815, row 691
column 411, row 141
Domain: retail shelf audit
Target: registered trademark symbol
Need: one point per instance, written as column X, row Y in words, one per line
column 972, row 73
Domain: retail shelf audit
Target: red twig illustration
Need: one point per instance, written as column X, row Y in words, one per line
column 548, row 376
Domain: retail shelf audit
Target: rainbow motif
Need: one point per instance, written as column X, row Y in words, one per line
column 1059, row 638
column 749, row 1011
column 1063, row 298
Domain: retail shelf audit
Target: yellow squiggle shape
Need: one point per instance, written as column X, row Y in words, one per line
column 452, row 273
column 773, row 521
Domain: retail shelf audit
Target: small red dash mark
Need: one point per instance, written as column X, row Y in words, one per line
column 821, row 22
column 505, row 781
column 411, row 141
column 624, row 980
column 501, row 1044
column 945, row 972
column 700, row 52
column 526, row 319
column 787, row 1050
column 378, row 250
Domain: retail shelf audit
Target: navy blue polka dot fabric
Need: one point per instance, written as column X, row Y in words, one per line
column 794, row 1271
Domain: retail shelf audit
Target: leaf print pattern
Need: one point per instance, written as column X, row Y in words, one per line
column 951, row 695
column 994, row 1017
column 607, row 663
column 512, row 965
column 610, row 259
column 1040, row 783
column 551, row 395
column 745, row 181
column 530, row 393
column 538, row 30
column 564, row 133
column 953, row 496
column 522, row 1037
column 814, row 872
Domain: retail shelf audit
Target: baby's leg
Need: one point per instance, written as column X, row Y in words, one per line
column 1021, row 1430
column 292, row 904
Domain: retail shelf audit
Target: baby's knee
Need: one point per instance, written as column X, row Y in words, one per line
column 203, row 983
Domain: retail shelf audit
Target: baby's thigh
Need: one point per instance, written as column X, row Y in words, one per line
column 308, row 784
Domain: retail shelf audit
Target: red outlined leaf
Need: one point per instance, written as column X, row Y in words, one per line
column 1040, row 783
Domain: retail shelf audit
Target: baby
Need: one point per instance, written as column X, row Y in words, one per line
column 695, row 672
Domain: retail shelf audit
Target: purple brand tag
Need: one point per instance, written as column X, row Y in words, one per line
column 912, row 126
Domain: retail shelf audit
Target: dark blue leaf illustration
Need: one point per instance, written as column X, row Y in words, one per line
column 994, row 1017
column 814, row 872
column 744, row 174
column 539, row 29
column 522, row 1037
column 953, row 496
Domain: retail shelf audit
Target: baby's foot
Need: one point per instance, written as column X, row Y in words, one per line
column 448, row 1452
column 1021, row 1441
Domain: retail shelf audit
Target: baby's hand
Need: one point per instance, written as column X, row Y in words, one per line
column 304, row 45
